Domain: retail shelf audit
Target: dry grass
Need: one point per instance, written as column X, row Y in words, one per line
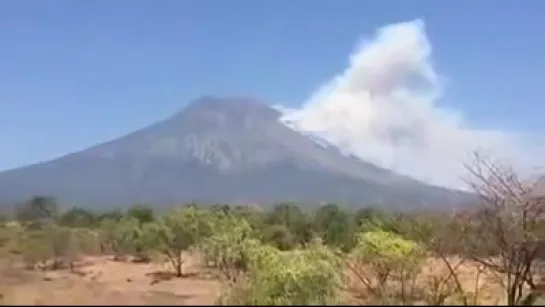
column 476, row 282
column 473, row 278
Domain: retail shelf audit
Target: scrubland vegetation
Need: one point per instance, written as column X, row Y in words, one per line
column 289, row 256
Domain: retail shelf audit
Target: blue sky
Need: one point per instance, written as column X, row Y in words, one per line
column 74, row 73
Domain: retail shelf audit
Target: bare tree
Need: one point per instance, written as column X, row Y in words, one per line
column 443, row 238
column 503, row 235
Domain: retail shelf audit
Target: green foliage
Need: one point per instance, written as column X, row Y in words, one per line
column 38, row 210
column 114, row 215
column 287, row 226
column 387, row 250
column 388, row 265
column 369, row 219
column 280, row 236
column 85, row 241
column 424, row 228
column 142, row 213
column 33, row 247
column 221, row 208
column 255, row 217
column 77, row 217
column 179, row 230
column 228, row 248
column 365, row 214
column 109, row 239
column 52, row 242
column 51, row 246
column 279, row 257
column 301, row 277
column 334, row 226
column 126, row 237
column 133, row 237
column 10, row 233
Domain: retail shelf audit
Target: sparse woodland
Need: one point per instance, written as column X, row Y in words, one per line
column 289, row 256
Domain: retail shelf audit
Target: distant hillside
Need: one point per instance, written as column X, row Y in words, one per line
column 219, row 150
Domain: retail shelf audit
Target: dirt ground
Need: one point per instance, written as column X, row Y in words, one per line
column 101, row 281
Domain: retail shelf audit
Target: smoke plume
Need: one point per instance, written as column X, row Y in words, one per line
column 384, row 108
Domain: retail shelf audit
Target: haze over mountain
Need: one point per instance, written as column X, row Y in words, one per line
column 218, row 150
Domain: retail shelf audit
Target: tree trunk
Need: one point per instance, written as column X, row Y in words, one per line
column 179, row 266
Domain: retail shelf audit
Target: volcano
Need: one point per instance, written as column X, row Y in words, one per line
column 229, row 150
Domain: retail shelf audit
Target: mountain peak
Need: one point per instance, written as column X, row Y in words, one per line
column 209, row 100
column 214, row 108
column 222, row 104
column 214, row 111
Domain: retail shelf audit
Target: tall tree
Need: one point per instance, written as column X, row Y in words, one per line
column 143, row 213
column 77, row 217
column 38, row 210
column 334, row 226
column 293, row 219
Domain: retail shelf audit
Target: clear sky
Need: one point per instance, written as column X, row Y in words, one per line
column 74, row 73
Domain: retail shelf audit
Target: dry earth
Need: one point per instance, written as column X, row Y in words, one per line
column 102, row 281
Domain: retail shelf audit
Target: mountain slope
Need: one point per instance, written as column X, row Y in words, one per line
column 218, row 149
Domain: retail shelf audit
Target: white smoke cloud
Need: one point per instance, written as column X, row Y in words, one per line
column 383, row 108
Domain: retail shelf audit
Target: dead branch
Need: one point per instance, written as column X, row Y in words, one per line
column 503, row 235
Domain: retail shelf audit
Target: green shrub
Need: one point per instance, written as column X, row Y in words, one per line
column 301, row 277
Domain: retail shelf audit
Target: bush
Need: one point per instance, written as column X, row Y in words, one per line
column 178, row 231
column 280, row 236
column 301, row 277
column 126, row 237
column 228, row 248
column 51, row 247
column 387, row 265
